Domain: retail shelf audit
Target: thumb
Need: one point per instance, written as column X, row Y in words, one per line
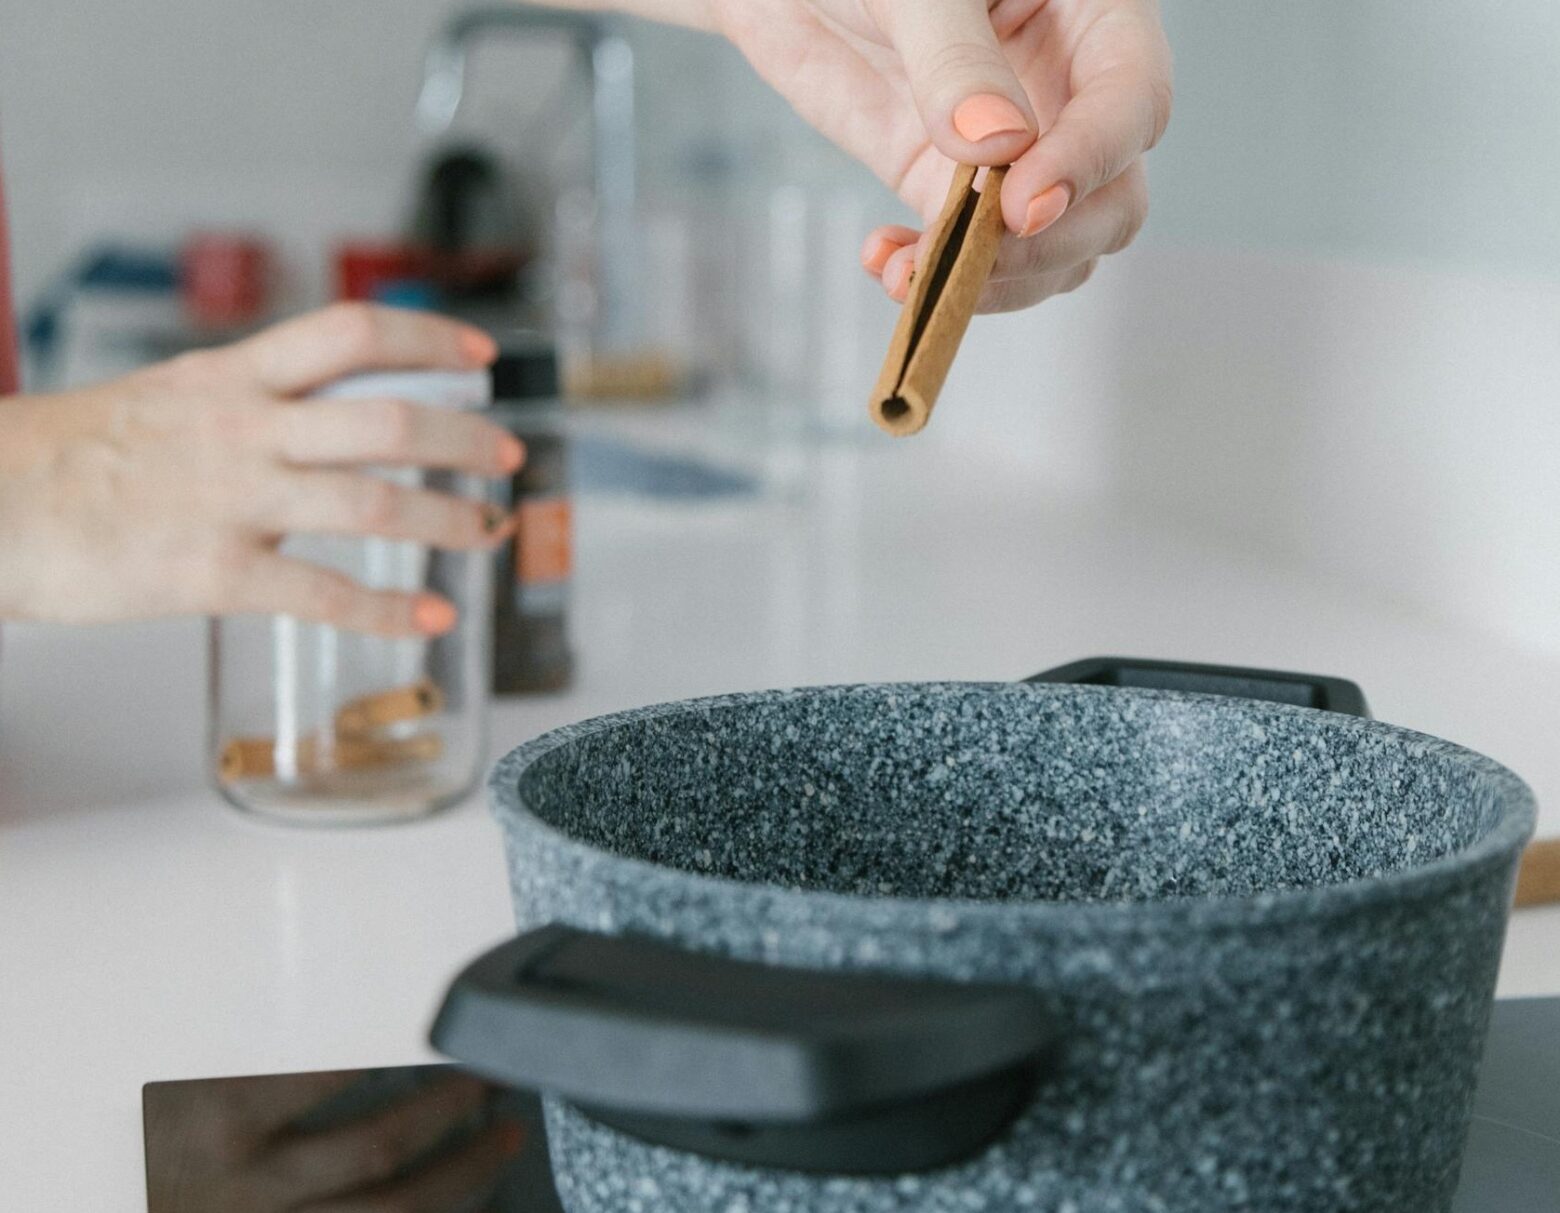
column 972, row 104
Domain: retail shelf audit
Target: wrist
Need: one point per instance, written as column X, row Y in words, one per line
column 19, row 482
column 37, row 435
column 36, row 430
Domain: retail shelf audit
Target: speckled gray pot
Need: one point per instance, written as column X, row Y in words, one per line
column 1271, row 934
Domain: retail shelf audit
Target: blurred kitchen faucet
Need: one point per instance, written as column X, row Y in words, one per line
column 608, row 60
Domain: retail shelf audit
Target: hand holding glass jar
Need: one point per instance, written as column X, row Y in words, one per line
column 170, row 490
column 316, row 723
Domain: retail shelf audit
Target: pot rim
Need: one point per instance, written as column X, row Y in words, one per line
column 1499, row 845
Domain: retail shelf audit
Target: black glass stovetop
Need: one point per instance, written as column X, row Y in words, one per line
column 430, row 1138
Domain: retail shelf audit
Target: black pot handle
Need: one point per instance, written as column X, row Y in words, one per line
column 847, row 1072
column 1273, row 686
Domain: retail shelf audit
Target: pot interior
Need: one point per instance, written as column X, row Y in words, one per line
column 1000, row 792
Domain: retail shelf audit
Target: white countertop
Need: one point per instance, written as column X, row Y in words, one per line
column 148, row 932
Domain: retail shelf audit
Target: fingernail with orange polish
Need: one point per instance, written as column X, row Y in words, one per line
column 511, row 453
column 987, row 114
column 433, row 616
column 875, row 254
column 478, row 347
column 1046, row 209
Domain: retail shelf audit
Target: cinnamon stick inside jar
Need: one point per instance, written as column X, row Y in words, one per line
column 255, row 757
column 962, row 248
column 366, row 713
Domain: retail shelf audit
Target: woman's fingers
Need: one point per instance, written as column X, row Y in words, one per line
column 1018, row 293
column 1001, row 294
column 266, row 583
column 310, row 501
column 898, row 269
column 376, row 1148
column 456, row 1180
column 299, row 356
column 268, row 1106
column 883, row 243
column 972, row 103
column 395, row 432
column 1118, row 111
column 1105, row 222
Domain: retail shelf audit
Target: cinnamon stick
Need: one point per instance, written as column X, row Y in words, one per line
column 363, row 715
column 255, row 757
column 961, row 250
column 1538, row 882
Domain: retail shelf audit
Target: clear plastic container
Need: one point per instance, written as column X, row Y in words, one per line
column 316, row 725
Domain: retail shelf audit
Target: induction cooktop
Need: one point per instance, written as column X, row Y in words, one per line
column 416, row 1131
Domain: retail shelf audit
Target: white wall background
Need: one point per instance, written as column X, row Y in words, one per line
column 140, row 119
column 1339, row 337
column 291, row 116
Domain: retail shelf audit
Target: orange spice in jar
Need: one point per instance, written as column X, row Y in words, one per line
column 531, row 586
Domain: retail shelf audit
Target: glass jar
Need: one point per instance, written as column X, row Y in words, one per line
column 313, row 724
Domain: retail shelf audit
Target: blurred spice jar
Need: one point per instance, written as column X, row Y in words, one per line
column 531, row 652
column 225, row 279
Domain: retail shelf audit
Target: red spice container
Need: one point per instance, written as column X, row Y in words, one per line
column 226, row 279
column 365, row 267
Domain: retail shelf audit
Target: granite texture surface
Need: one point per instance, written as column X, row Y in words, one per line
column 1271, row 934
